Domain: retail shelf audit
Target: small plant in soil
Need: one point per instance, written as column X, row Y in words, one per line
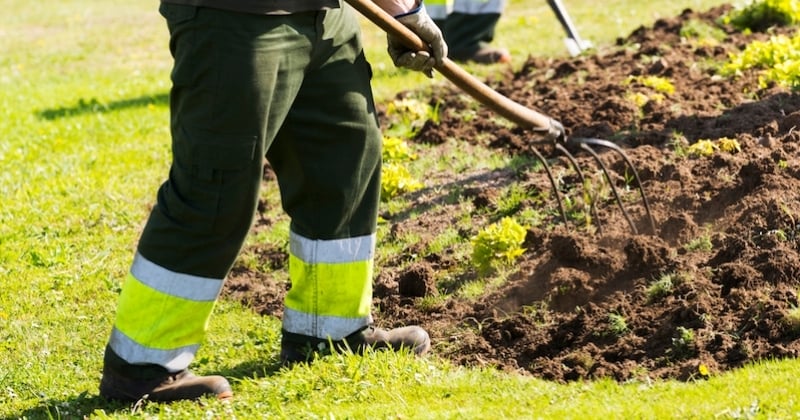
column 679, row 145
column 657, row 83
column 617, row 326
column 729, row 145
column 663, row 286
column 409, row 115
column 684, row 344
column 396, row 180
column 395, row 177
column 760, row 15
column 499, row 243
column 792, row 319
column 778, row 60
column 702, row 148
column 700, row 244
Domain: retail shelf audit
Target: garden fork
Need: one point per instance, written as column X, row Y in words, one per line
column 526, row 118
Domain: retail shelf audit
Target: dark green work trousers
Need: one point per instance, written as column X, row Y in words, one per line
column 292, row 88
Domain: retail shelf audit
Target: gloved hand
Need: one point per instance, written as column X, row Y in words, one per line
column 419, row 22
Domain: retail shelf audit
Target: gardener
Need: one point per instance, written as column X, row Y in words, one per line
column 281, row 79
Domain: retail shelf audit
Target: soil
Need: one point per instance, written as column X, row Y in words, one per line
column 580, row 302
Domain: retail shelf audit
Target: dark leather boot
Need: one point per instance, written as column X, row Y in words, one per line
column 296, row 348
column 126, row 382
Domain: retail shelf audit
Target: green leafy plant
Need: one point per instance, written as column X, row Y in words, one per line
column 410, row 113
column 760, row 15
column 701, row 243
column 396, row 180
column 778, row 59
column 707, row 147
column 729, row 145
column 498, row 243
column 396, row 149
column 657, row 83
column 684, row 344
column 702, row 148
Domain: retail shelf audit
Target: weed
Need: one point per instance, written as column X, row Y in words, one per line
column 700, row 244
column 679, row 144
column 617, row 325
column 792, row 319
column 512, row 200
column 539, row 312
column 684, row 344
column 662, row 287
column 410, row 115
column 395, row 177
column 395, row 149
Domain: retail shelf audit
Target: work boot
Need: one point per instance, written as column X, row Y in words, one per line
column 469, row 38
column 297, row 348
column 154, row 383
column 483, row 55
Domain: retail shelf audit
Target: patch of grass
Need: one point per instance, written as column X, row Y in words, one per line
column 84, row 124
column 702, row 32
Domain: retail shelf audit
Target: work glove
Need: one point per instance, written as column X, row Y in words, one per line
column 419, row 22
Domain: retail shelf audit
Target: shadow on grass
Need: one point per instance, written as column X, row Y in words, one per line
column 84, row 404
column 93, row 106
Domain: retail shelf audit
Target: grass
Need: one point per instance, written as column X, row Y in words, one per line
column 83, row 122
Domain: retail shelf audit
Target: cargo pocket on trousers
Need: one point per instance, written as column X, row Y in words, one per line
column 218, row 179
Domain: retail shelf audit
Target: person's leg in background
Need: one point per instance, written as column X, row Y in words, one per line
column 469, row 28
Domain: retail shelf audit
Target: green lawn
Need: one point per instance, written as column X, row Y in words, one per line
column 83, row 89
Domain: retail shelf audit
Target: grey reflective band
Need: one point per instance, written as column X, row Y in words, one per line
column 312, row 251
column 321, row 326
column 132, row 352
column 200, row 289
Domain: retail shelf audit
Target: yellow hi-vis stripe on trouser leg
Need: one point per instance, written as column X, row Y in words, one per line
column 162, row 315
column 331, row 294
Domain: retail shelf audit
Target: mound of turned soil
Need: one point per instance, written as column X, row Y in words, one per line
column 557, row 315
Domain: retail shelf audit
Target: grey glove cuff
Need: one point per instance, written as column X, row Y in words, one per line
column 419, row 22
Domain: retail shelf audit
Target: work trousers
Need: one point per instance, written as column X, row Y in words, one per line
column 296, row 90
column 467, row 25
